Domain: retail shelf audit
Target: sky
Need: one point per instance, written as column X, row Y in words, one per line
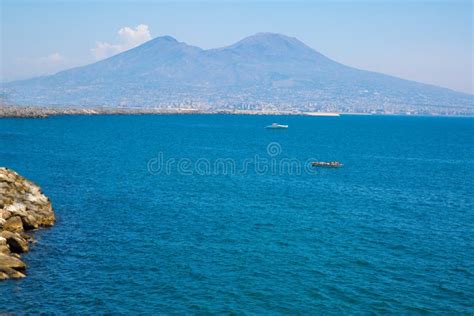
column 425, row 41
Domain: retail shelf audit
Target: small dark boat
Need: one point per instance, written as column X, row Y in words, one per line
column 331, row 164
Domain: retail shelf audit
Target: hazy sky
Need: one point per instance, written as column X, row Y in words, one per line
column 426, row 41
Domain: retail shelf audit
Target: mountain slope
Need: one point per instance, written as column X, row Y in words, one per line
column 263, row 72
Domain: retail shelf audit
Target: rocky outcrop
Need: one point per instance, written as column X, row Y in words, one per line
column 23, row 208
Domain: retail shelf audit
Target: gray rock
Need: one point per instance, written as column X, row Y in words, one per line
column 7, row 261
column 16, row 209
column 4, row 214
column 13, row 224
column 29, row 222
column 4, row 248
column 22, row 207
column 15, row 241
column 10, row 273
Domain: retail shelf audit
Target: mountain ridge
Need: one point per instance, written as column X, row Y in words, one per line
column 260, row 72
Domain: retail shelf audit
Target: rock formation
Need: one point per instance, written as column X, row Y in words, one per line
column 23, row 208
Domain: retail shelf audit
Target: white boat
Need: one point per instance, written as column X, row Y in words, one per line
column 276, row 126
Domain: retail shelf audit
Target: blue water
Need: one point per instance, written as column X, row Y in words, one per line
column 390, row 232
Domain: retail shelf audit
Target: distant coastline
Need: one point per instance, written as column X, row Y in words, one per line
column 9, row 111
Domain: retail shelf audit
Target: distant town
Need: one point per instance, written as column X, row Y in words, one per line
column 202, row 108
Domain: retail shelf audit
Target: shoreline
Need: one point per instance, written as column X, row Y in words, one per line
column 7, row 111
column 23, row 210
column 45, row 112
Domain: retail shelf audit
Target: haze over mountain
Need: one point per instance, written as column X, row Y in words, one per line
column 262, row 72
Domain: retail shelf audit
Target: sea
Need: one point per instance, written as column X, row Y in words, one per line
column 214, row 214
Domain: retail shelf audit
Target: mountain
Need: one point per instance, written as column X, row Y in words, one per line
column 265, row 71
